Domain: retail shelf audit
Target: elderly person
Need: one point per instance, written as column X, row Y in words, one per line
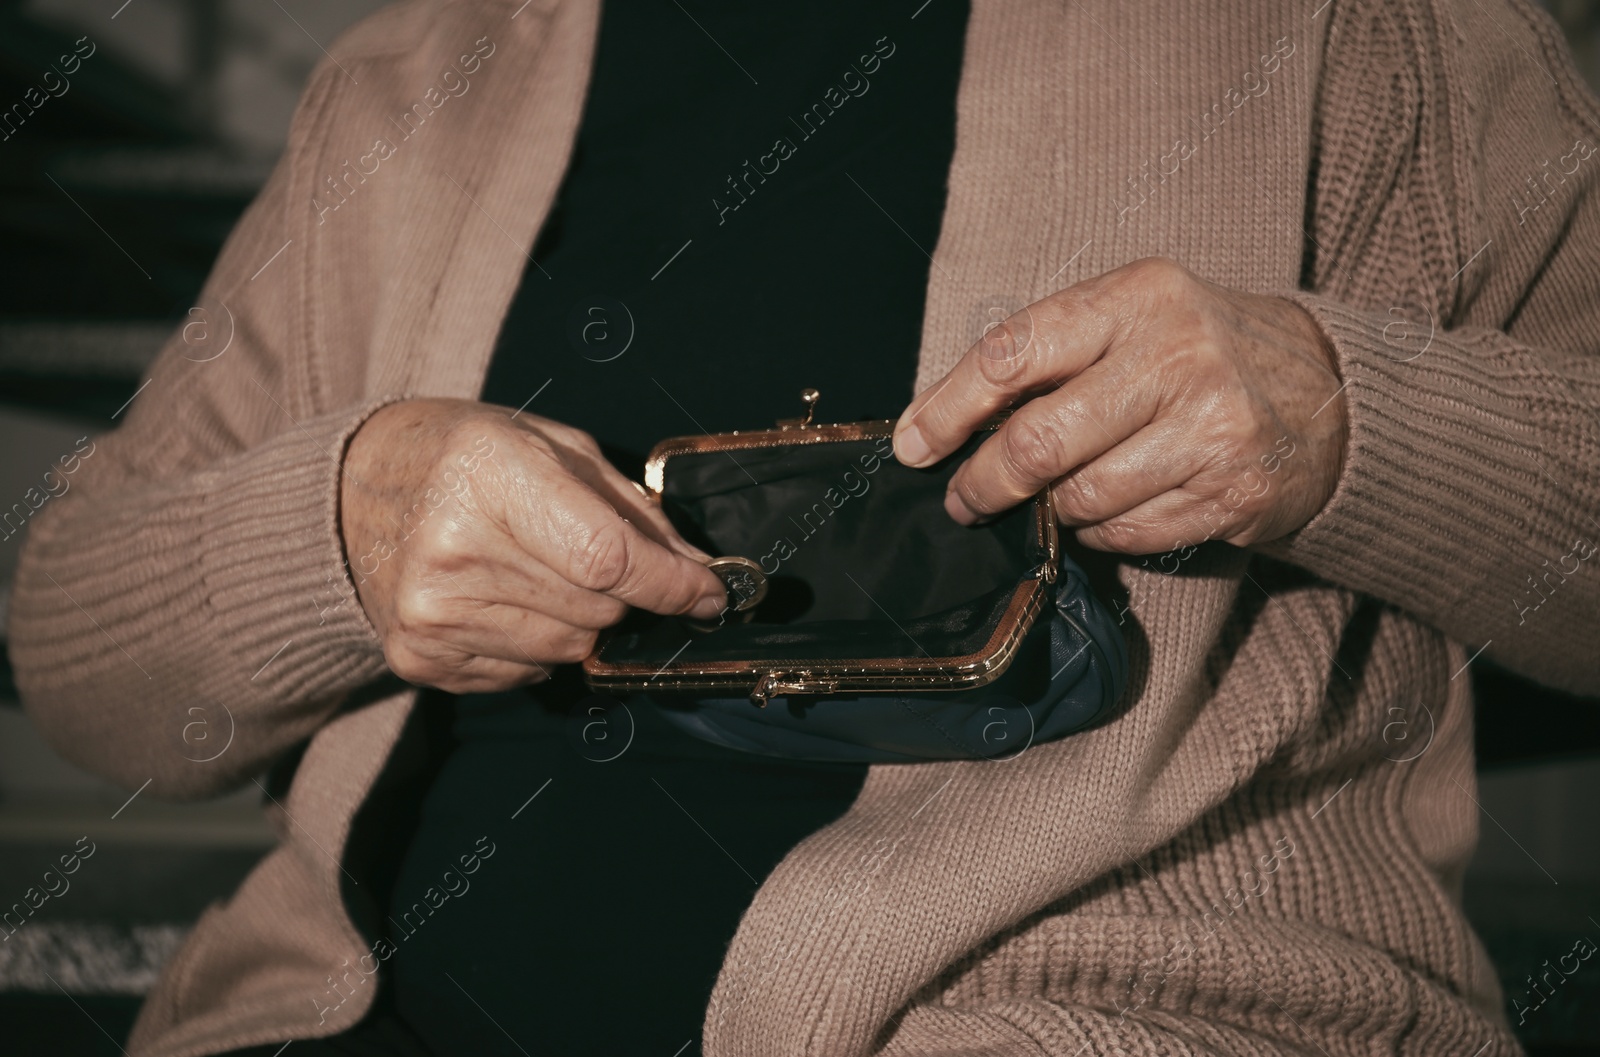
column 1296, row 303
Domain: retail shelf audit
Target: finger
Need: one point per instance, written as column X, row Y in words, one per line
column 531, row 586
column 1047, row 342
column 1168, row 521
column 456, row 621
column 566, row 525
column 432, row 664
column 634, row 502
column 472, row 557
column 508, row 633
column 1152, row 461
column 629, row 498
column 1049, row 437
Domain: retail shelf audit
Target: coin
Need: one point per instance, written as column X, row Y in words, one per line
column 746, row 583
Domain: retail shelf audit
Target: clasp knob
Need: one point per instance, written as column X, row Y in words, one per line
column 808, row 397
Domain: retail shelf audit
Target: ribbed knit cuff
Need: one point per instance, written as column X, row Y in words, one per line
column 273, row 565
column 1433, row 491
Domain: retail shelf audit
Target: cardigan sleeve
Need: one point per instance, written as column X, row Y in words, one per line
column 182, row 613
column 1470, row 494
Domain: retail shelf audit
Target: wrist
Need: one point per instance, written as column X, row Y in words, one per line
column 368, row 462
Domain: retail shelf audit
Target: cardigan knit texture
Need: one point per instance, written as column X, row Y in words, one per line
column 1248, row 860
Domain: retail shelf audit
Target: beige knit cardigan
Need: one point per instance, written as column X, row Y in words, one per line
column 1255, row 858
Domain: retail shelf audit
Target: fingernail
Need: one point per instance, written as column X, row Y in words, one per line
column 708, row 607
column 911, row 448
column 958, row 510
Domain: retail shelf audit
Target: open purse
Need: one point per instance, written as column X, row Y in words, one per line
column 864, row 623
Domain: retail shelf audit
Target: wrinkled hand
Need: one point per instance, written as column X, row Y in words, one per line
column 486, row 549
column 1160, row 409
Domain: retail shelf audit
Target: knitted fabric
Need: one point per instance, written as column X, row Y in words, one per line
column 1261, row 855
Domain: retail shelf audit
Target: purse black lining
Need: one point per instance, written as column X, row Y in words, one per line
column 861, row 558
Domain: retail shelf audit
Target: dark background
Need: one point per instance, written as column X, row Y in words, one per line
column 114, row 199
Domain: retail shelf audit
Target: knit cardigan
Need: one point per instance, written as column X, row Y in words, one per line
column 1261, row 855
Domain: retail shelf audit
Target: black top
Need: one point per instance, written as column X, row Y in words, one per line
column 749, row 209
column 744, row 216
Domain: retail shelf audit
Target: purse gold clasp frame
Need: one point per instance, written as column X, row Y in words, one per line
column 827, row 676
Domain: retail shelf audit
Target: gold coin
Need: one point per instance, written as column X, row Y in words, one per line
column 744, row 580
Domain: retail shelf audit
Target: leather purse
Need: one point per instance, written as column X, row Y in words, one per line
column 864, row 623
